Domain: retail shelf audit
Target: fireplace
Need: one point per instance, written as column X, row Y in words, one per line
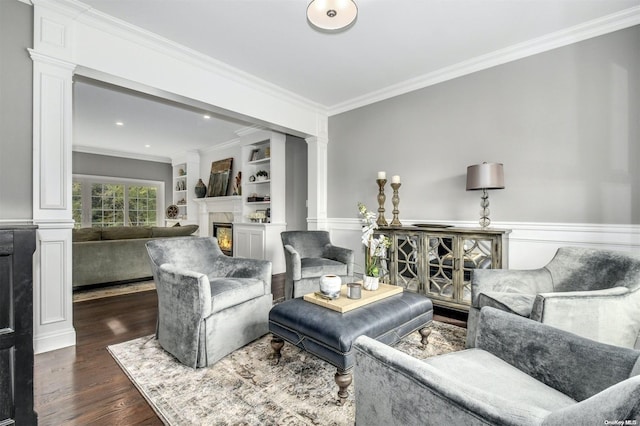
column 224, row 233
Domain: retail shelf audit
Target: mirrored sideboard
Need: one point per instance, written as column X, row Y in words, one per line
column 438, row 261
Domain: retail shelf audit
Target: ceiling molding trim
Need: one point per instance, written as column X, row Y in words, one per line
column 130, row 32
column 249, row 130
column 70, row 8
column 597, row 27
column 220, row 146
column 114, row 153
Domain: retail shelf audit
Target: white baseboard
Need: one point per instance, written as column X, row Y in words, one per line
column 52, row 341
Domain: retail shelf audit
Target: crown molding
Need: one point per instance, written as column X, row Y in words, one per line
column 249, row 130
column 130, row 32
column 220, row 146
column 604, row 25
column 122, row 154
column 597, row 27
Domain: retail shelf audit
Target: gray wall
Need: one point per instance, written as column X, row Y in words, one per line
column 564, row 123
column 16, row 110
column 105, row 165
column 296, row 183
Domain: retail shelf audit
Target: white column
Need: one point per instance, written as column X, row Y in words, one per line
column 54, row 43
column 317, row 183
column 52, row 146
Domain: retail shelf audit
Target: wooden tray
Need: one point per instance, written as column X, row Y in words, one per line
column 344, row 304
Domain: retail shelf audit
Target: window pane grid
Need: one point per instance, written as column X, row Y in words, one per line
column 106, row 204
column 142, row 205
column 76, row 203
column 109, row 204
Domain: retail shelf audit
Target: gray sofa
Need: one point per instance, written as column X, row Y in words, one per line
column 118, row 253
column 521, row 372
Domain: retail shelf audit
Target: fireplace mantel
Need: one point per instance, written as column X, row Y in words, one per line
column 230, row 204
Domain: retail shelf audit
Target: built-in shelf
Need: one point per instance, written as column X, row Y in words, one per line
column 261, row 161
column 185, row 170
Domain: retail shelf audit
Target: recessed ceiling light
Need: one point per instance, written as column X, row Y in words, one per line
column 119, row 123
column 207, row 116
column 147, row 146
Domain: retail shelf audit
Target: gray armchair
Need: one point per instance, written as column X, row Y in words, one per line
column 589, row 292
column 309, row 255
column 208, row 304
column 521, row 372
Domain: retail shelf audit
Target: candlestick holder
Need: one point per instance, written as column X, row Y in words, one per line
column 381, row 199
column 395, row 200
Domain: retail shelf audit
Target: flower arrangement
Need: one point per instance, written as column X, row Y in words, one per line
column 375, row 247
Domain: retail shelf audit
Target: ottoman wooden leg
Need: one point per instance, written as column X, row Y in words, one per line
column 425, row 332
column 276, row 343
column 343, row 380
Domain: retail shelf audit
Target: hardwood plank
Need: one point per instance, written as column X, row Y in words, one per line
column 83, row 385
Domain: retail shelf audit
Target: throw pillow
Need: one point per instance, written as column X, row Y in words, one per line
column 86, row 234
column 125, row 232
column 174, row 231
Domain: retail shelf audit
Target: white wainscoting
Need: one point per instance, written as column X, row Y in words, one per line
column 53, row 305
column 531, row 245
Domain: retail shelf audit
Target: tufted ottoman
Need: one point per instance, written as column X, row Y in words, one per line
column 329, row 335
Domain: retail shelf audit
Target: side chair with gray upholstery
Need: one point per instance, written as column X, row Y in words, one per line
column 592, row 293
column 209, row 304
column 310, row 255
column 520, row 372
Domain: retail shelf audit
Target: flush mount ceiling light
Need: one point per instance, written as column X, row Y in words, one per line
column 332, row 15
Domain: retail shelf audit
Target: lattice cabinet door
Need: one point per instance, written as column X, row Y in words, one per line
column 476, row 252
column 406, row 263
column 441, row 253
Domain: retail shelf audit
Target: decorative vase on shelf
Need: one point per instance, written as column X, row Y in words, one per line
column 330, row 285
column 201, row 189
column 370, row 283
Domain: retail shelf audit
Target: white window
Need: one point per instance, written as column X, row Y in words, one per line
column 105, row 201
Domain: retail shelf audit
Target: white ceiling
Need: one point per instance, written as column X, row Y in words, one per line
column 152, row 128
column 393, row 43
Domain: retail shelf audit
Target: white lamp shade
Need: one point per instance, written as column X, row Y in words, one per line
column 332, row 14
column 485, row 176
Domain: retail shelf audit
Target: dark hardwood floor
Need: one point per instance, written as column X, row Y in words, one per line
column 83, row 385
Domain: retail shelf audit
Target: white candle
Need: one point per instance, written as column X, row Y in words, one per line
column 395, row 179
column 382, row 175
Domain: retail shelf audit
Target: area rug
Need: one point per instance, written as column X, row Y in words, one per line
column 246, row 388
column 114, row 290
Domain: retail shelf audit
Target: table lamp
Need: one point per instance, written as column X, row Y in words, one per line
column 485, row 176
